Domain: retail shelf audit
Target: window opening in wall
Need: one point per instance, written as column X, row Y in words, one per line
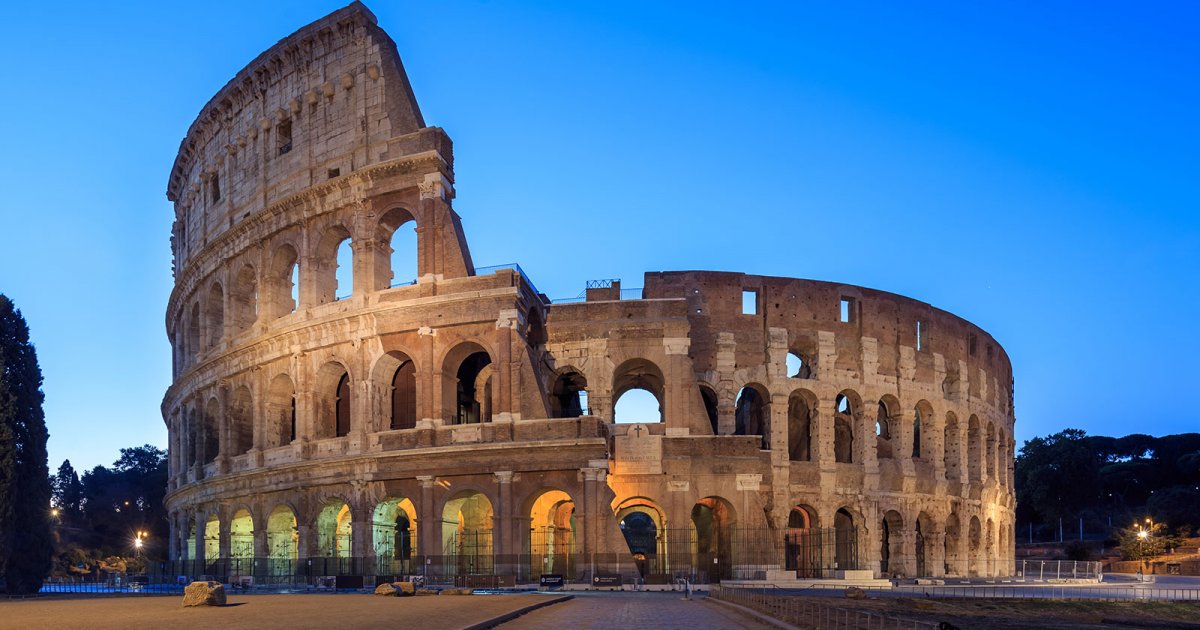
column 474, row 391
column 971, row 344
column 404, row 255
column 344, row 276
column 292, row 431
column 919, row 340
column 214, row 187
column 846, row 310
column 283, row 136
column 749, row 302
column 342, row 407
column 795, row 365
column 916, row 450
column 637, row 405
column 334, row 172
column 294, row 289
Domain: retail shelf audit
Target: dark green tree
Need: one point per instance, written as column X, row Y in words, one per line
column 68, row 493
column 27, row 546
column 1056, row 476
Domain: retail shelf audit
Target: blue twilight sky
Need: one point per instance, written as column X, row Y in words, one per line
column 1030, row 166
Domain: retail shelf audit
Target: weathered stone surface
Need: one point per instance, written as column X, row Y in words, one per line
column 458, row 397
column 387, row 590
column 404, row 588
column 427, row 591
column 204, row 594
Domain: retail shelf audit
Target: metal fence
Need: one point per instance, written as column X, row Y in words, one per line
column 1059, row 570
column 1145, row 593
column 809, row 613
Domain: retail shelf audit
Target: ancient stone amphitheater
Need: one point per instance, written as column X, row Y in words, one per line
column 457, row 423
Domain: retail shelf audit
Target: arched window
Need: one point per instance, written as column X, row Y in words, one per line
column 333, row 273
column 799, row 428
column 475, row 389
column 282, row 283
column 344, row 276
column 974, row 450
column 399, row 268
column 404, row 396
column 243, row 300
column 281, row 412
column 215, row 315
column 843, row 430
column 916, row 448
column 342, row 406
column 192, row 348
column 212, row 431
column 709, row 398
column 752, row 413
column 883, row 432
column 638, row 392
column 241, row 421
column 568, row 397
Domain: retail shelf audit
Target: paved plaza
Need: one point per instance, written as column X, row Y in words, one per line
column 661, row 611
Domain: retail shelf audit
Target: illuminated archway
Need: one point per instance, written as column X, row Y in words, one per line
column 394, row 535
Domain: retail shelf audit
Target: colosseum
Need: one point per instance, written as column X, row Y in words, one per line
column 460, row 425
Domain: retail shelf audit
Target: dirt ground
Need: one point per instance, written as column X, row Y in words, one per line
column 1040, row 614
column 265, row 612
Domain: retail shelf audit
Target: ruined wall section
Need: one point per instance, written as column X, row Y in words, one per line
column 320, row 104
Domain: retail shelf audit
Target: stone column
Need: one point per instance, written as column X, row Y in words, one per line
column 429, row 535
column 173, row 551
column 778, row 437
column 502, row 389
column 361, row 545
column 224, row 543
column 935, row 554
column 502, row 521
column 586, row 516
column 198, row 541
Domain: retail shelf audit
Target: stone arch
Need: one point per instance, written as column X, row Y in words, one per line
column 802, row 548
column 974, row 449
column 885, row 427
column 922, row 430
column 552, row 527
column 332, row 400
column 397, row 233
column 922, row 545
column 283, row 540
column 953, row 545
column 846, row 408
column 713, row 521
column 990, row 452
column 212, row 539
column 640, row 374
column 214, row 315
column 281, row 426
column 845, row 526
column 241, row 540
column 241, row 421
column 752, row 415
column 568, row 394
column 798, row 365
column 324, row 276
column 192, row 335
column 282, row 291
column 212, row 430
column 974, row 547
column 467, row 391
column 800, row 425
column 335, row 534
column 467, row 532
column 243, row 299
column 891, row 544
column 643, row 525
column 394, row 535
column 952, row 456
column 395, row 377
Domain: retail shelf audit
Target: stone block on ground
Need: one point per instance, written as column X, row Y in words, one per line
column 204, row 594
column 458, row 591
column 427, row 591
column 853, row 592
column 387, row 590
column 405, row 588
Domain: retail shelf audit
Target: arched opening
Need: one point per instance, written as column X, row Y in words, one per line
column 891, row 544
column 394, row 535
column 241, row 542
column 709, row 398
column 568, row 396
column 552, row 534
column 212, row 430
column 883, row 432
column 974, row 450
column 799, row 428
column 214, row 320
column 283, row 541
column 845, row 411
column 642, row 526
column 212, row 541
column 535, row 328
column 243, row 300
column 802, row 543
column 638, row 392
column 399, row 231
column 752, row 413
column 798, row 366
column 713, row 522
column 474, row 389
column 952, row 457
column 332, row 399
column 953, row 546
column 333, row 273
column 334, row 533
column 193, row 334
column 281, row 412
column 922, row 414
column 467, row 534
column 990, row 453
column 924, row 527
column 404, row 396
column 973, row 540
column 283, row 282
column 241, row 421
column 845, row 553
column 194, row 445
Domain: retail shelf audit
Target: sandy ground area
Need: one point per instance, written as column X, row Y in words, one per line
column 266, row 612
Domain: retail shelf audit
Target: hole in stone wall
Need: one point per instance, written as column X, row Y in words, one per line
column 749, row 302
column 846, row 310
column 283, row 136
column 334, row 172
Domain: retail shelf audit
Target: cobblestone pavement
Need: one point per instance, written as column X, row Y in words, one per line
column 665, row 611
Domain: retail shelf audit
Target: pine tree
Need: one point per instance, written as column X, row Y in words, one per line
column 26, row 547
column 68, row 492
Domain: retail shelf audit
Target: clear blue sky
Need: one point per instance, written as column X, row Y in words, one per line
column 1030, row 166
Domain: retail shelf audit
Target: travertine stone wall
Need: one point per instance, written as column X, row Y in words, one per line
column 284, row 397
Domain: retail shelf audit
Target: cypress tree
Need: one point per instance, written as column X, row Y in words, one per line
column 26, row 545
